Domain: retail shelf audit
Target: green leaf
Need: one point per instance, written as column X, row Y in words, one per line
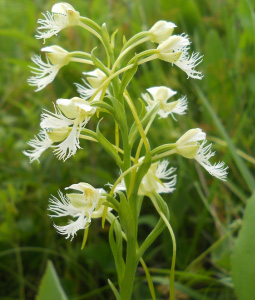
column 127, row 77
column 108, row 146
column 116, row 247
column 115, row 291
column 50, row 287
column 98, row 62
column 243, row 260
column 126, row 217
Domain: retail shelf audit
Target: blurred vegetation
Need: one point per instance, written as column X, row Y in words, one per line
column 204, row 211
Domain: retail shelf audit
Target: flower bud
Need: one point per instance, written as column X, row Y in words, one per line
column 57, row 55
column 65, row 9
column 187, row 145
column 161, row 31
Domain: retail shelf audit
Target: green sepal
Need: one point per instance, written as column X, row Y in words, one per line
column 108, row 146
column 134, row 133
column 127, row 77
column 98, row 63
column 126, row 216
column 116, row 247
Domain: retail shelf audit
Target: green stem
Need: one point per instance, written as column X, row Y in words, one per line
column 171, row 283
column 136, row 37
column 82, row 60
column 91, row 30
column 125, row 52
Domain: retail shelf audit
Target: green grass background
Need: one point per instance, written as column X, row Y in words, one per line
column 203, row 209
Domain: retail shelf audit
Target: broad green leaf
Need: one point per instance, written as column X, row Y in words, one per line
column 116, row 247
column 243, row 260
column 50, row 287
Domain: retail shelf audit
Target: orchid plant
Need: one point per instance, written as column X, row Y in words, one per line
column 106, row 90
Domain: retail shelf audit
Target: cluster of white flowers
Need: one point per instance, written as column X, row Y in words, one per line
column 62, row 129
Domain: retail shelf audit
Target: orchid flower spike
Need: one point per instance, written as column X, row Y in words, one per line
column 161, row 94
column 62, row 127
column 62, row 15
column 188, row 146
column 161, row 31
column 82, row 206
column 152, row 181
column 175, row 50
column 56, row 58
column 95, row 79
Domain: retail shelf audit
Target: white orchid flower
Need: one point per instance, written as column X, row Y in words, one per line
column 188, row 146
column 161, row 94
column 175, row 50
column 62, row 127
column 62, row 15
column 82, row 206
column 161, row 30
column 152, row 181
column 56, row 58
column 95, row 79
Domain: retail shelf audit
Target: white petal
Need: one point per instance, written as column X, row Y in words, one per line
column 40, row 143
column 44, row 75
column 162, row 171
column 62, row 207
column 203, row 155
column 54, row 120
column 50, row 26
column 71, row 229
column 167, row 187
